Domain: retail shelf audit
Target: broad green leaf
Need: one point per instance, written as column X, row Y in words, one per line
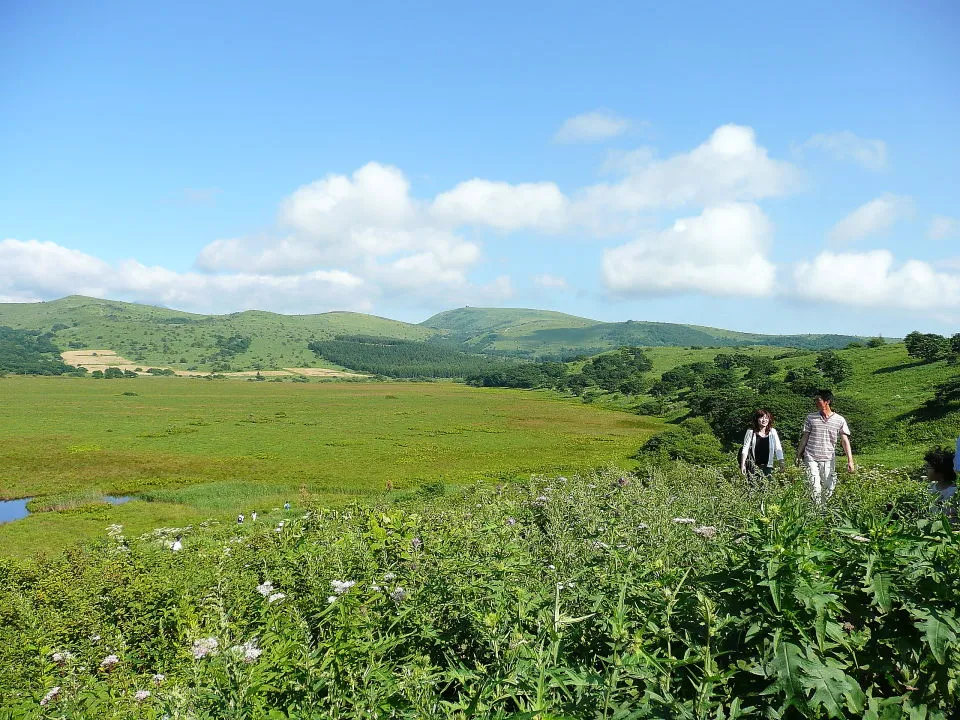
column 880, row 586
column 938, row 636
column 832, row 688
column 786, row 669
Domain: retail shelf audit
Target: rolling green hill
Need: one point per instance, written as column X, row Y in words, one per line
column 171, row 338
column 257, row 340
column 537, row 333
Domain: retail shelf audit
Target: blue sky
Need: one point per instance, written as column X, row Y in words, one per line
column 774, row 169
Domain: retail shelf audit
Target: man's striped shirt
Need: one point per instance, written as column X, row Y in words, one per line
column 823, row 433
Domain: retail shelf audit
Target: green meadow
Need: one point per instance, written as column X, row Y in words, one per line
column 193, row 449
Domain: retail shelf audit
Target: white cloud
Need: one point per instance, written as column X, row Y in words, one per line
column 943, row 227
column 503, row 206
column 591, row 127
column 729, row 166
column 48, row 270
column 871, row 218
column 872, row 279
column 722, row 251
column 844, row 145
column 375, row 196
column 546, row 281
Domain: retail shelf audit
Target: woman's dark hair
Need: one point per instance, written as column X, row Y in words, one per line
column 940, row 461
column 756, row 419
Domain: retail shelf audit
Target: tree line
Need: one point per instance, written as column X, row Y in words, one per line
column 29, row 352
column 402, row 358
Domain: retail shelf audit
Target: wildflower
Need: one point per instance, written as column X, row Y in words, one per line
column 248, row 651
column 416, row 543
column 562, row 479
column 551, row 567
column 331, row 599
column 141, row 695
column 286, row 506
column 62, row 657
column 389, row 576
column 848, row 626
column 342, row 586
column 50, row 696
column 159, row 678
column 861, row 538
column 623, row 482
column 706, row 531
column 265, row 588
column 94, row 638
column 541, row 499
column 108, row 662
column 398, row 595
column 511, row 521
column 684, row 521
column 597, row 545
column 376, row 588
column 275, row 597
column 643, row 526
column 203, row 647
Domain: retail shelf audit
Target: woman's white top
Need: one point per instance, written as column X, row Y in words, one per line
column 750, row 445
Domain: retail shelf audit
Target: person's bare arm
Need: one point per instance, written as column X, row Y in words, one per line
column 845, row 441
column 801, row 447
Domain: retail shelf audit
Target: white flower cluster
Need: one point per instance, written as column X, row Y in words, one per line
column 108, row 662
column 266, row 589
column 339, row 588
column 205, row 646
column 141, row 695
column 50, row 696
column 684, row 521
column 62, row 657
column 249, row 651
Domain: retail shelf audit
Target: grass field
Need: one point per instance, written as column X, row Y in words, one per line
column 199, row 449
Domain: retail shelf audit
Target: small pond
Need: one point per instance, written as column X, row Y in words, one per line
column 11, row 510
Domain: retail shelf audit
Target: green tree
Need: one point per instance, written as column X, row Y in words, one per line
column 926, row 346
column 876, row 342
column 836, row 368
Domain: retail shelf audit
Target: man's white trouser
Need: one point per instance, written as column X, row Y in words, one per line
column 823, row 478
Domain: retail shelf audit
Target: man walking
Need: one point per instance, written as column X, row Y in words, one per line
column 818, row 446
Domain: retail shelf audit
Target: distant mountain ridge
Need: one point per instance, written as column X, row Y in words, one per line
column 157, row 336
column 528, row 333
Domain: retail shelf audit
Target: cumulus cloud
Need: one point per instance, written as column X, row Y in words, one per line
column 45, row 269
column 729, row 166
column 546, row 281
column 844, row 145
column 591, row 127
column 873, row 279
column 722, row 251
column 943, row 227
column 871, row 218
column 500, row 205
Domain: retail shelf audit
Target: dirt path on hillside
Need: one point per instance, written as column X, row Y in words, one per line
column 102, row 359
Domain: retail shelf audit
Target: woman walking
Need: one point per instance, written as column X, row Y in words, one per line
column 761, row 445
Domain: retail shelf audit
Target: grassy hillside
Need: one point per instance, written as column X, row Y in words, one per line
column 470, row 322
column 892, row 383
column 534, row 333
column 157, row 336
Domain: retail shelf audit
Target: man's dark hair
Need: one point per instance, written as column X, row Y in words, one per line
column 940, row 461
column 824, row 395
